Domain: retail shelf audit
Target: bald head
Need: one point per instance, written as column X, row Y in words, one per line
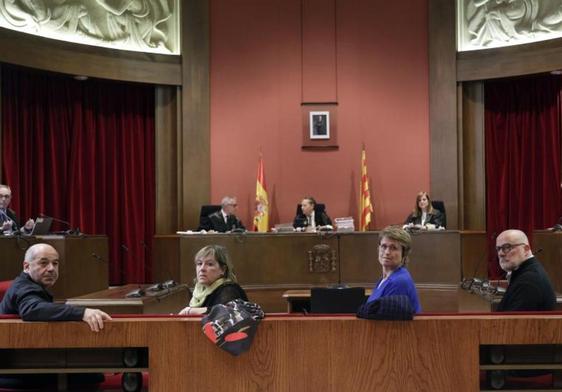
column 513, row 249
column 41, row 263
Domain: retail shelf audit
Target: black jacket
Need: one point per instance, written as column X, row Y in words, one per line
column 12, row 215
column 320, row 219
column 225, row 293
column 216, row 222
column 529, row 289
column 32, row 302
column 434, row 218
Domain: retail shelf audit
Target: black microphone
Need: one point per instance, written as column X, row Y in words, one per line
column 71, row 231
column 468, row 282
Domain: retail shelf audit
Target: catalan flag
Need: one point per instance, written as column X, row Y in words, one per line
column 261, row 216
column 366, row 208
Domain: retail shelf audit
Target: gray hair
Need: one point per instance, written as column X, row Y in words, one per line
column 6, row 187
column 33, row 250
column 228, row 200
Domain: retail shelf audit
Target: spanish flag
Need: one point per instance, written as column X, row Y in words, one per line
column 366, row 208
column 261, row 216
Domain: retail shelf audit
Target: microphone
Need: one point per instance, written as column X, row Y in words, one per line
column 468, row 282
column 70, row 231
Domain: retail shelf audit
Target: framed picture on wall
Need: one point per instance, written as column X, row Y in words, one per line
column 319, row 124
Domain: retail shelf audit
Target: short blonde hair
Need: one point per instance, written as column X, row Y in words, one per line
column 221, row 256
column 400, row 235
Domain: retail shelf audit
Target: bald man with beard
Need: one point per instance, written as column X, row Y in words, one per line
column 529, row 287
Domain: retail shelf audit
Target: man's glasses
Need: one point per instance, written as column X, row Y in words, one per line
column 506, row 248
column 5, row 196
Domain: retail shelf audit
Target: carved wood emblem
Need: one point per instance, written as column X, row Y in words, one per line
column 321, row 258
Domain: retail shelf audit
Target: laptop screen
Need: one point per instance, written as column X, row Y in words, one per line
column 42, row 226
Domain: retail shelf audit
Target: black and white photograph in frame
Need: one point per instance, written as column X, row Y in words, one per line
column 319, row 125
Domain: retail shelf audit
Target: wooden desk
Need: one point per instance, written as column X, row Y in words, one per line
column 268, row 264
column 297, row 298
column 115, row 301
column 433, row 298
column 297, row 353
column 80, row 272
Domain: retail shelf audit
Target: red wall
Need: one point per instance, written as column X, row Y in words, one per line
column 382, row 89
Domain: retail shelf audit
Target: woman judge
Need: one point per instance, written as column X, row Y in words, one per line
column 394, row 247
column 424, row 215
column 215, row 282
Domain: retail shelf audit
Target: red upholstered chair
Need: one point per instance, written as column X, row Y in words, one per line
column 4, row 286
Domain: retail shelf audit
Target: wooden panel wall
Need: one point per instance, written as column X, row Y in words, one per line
column 444, row 166
column 473, row 185
column 195, row 149
column 167, row 123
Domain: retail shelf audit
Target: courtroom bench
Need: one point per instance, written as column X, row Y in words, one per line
column 315, row 353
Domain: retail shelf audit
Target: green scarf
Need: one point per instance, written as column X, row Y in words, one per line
column 200, row 292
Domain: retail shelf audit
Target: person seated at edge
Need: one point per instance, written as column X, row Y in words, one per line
column 215, row 282
column 424, row 215
column 394, row 247
column 8, row 220
column 28, row 296
column 224, row 220
column 307, row 219
column 529, row 286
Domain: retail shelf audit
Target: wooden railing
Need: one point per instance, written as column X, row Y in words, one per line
column 298, row 353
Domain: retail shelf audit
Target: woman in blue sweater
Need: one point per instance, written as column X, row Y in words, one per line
column 394, row 247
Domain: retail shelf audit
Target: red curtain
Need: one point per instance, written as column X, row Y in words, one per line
column 83, row 152
column 522, row 128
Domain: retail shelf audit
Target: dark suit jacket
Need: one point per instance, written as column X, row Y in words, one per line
column 12, row 215
column 32, row 302
column 216, row 222
column 320, row 219
column 436, row 218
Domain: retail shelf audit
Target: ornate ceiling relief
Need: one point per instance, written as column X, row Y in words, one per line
column 139, row 25
column 485, row 24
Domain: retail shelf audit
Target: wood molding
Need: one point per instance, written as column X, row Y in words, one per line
column 75, row 59
column 510, row 61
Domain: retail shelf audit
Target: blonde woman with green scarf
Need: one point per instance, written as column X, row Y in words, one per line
column 215, row 282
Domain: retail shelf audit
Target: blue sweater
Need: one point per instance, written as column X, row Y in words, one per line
column 398, row 283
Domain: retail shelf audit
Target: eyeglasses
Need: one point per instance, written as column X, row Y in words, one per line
column 385, row 247
column 5, row 196
column 506, row 248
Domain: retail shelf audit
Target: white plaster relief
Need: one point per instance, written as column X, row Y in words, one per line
column 140, row 25
column 485, row 24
